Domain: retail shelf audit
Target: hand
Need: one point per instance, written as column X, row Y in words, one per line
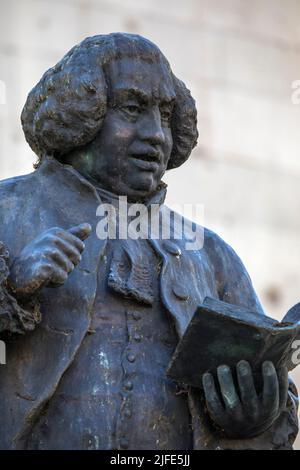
column 240, row 412
column 48, row 260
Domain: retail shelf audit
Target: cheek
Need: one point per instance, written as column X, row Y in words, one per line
column 117, row 134
column 123, row 135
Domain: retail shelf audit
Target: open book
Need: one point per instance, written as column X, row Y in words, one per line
column 221, row 333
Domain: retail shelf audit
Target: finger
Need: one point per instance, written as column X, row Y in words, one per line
column 270, row 388
column 45, row 270
column 247, row 389
column 68, row 249
column 283, row 380
column 62, row 261
column 58, row 277
column 57, row 234
column 81, row 231
column 52, row 274
column 213, row 402
column 227, row 386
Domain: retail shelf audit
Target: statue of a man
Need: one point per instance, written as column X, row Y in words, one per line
column 101, row 317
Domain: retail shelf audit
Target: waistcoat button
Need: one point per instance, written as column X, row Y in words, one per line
column 137, row 337
column 136, row 315
column 128, row 413
column 128, row 385
column 131, row 357
column 124, row 444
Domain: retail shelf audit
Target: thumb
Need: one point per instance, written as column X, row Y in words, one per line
column 81, row 231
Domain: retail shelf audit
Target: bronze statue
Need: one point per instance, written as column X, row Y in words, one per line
column 91, row 324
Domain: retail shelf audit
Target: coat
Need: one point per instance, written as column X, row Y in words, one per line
column 56, row 195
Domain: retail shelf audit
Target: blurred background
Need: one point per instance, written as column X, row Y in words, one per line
column 239, row 59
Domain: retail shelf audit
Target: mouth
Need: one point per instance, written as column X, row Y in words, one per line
column 146, row 161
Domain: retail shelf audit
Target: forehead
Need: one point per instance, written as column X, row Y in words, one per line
column 137, row 76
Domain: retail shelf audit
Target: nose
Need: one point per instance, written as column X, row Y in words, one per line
column 151, row 130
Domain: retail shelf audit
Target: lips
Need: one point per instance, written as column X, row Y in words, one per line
column 146, row 161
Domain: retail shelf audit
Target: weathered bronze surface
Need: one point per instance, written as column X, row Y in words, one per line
column 101, row 318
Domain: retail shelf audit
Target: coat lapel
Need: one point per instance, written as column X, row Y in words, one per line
column 186, row 275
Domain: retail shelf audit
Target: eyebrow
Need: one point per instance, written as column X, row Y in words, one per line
column 142, row 97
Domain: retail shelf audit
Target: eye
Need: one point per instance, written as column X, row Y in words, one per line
column 131, row 109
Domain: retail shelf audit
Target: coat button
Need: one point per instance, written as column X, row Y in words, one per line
column 180, row 293
column 171, row 248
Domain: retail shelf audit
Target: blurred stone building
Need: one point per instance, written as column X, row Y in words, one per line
column 239, row 59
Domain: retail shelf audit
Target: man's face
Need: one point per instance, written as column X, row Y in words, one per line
column 131, row 152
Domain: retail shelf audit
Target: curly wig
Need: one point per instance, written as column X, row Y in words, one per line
column 65, row 110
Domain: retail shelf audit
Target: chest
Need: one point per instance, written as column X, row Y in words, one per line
column 116, row 390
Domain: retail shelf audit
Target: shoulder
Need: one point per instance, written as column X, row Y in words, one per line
column 228, row 271
column 226, row 262
column 200, row 241
column 16, row 184
column 207, row 240
column 235, row 285
column 15, row 194
column 220, row 250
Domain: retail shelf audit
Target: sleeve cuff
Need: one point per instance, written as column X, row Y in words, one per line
column 16, row 316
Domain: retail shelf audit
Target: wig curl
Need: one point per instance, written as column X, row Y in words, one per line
column 66, row 109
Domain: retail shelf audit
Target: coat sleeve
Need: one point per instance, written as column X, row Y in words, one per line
column 235, row 287
column 16, row 316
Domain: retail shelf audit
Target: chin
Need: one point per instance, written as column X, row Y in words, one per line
column 143, row 187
